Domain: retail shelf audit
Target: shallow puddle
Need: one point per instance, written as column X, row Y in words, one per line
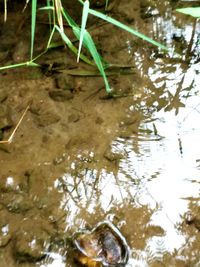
column 79, row 159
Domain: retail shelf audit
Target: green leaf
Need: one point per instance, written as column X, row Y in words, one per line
column 58, row 8
column 90, row 45
column 106, row 4
column 192, row 11
column 83, row 26
column 23, row 64
column 46, row 8
column 33, row 22
column 71, row 46
column 126, row 28
column 50, row 14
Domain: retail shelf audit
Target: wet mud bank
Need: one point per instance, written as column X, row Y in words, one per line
column 79, row 158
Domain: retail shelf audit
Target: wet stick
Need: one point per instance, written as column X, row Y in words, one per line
column 15, row 129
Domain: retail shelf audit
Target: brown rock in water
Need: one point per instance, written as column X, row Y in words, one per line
column 65, row 82
column 16, row 203
column 5, row 236
column 32, row 240
column 4, row 239
column 60, row 95
column 29, row 247
column 103, row 246
column 47, row 118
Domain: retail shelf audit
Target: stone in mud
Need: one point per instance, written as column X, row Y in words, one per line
column 29, row 247
column 32, row 240
column 5, row 117
column 44, row 112
column 126, row 133
column 65, row 82
column 74, row 117
column 60, row 95
column 16, row 203
column 5, row 236
column 44, row 115
column 47, row 118
column 13, row 183
column 4, row 240
column 112, row 156
column 21, row 51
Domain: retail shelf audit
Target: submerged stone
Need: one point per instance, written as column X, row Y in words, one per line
column 32, row 240
column 65, row 82
column 5, row 236
column 113, row 156
column 60, row 95
column 102, row 246
column 15, row 202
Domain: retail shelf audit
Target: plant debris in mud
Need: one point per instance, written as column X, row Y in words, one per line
column 57, row 15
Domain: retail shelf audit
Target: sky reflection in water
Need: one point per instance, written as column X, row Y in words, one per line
column 163, row 172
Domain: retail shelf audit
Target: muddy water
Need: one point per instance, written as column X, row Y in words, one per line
column 78, row 159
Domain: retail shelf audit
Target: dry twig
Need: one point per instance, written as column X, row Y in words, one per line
column 15, row 129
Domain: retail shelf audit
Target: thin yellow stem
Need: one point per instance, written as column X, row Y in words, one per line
column 16, row 127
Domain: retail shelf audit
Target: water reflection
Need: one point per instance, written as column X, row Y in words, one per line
column 149, row 187
column 149, row 190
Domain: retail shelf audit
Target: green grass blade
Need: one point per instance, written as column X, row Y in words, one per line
column 192, row 11
column 83, row 26
column 48, row 8
column 33, row 23
column 23, row 64
column 106, row 7
column 5, row 10
column 50, row 37
column 72, row 47
column 58, row 9
column 126, row 28
column 90, row 45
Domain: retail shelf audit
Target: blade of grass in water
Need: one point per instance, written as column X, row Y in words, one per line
column 90, row 45
column 95, row 72
column 23, row 64
column 83, row 26
column 49, row 15
column 106, row 4
column 65, row 38
column 58, row 9
column 5, row 10
column 33, row 22
column 124, row 27
column 71, row 46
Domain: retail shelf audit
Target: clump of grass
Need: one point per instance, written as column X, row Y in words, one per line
column 57, row 14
